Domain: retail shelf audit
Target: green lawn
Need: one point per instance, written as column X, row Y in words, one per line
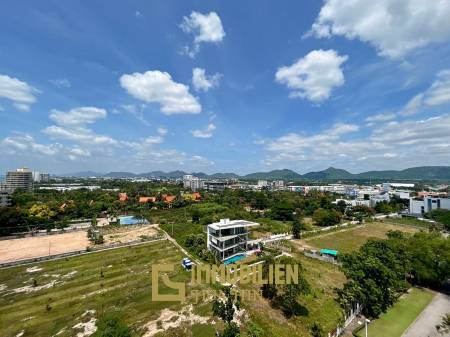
column 397, row 319
column 347, row 240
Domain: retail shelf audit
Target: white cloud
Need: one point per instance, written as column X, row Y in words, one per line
column 162, row 131
column 78, row 134
column 206, row 133
column 138, row 14
column 71, row 125
column 394, row 144
column 61, row 83
column 437, row 94
column 207, row 28
column 202, row 82
column 413, row 106
column 158, row 87
column 17, row 91
column 77, row 152
column 26, row 143
column 393, row 27
column 381, row 117
column 314, row 76
column 78, row 116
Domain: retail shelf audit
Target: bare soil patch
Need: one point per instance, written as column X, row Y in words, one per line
column 38, row 246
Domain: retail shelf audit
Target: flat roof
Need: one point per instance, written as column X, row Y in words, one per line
column 329, row 252
column 225, row 223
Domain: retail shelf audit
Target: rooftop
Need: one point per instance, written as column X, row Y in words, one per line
column 227, row 223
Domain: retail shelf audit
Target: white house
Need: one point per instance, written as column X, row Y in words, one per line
column 228, row 238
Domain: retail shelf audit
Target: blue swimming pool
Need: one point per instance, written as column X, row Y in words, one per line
column 234, row 259
column 132, row 220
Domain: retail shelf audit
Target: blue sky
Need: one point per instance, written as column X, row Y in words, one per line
column 224, row 86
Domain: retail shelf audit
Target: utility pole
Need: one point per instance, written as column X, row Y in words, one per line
column 366, row 322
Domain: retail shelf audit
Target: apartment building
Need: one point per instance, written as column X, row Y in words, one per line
column 21, row 178
column 228, row 238
column 427, row 204
column 192, row 182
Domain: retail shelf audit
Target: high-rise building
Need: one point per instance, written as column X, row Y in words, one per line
column 21, row 178
column 194, row 183
column 39, row 177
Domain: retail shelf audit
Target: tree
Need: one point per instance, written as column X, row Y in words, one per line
column 383, row 207
column 440, row 215
column 282, row 211
column 289, row 293
column 316, row 330
column 341, row 206
column 111, row 325
column 325, row 217
column 41, row 212
column 444, row 327
column 297, row 227
column 225, row 310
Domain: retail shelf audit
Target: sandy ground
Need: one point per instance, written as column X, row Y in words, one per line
column 26, row 248
column 128, row 233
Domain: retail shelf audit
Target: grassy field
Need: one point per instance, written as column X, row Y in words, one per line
column 103, row 281
column 348, row 240
column 78, row 289
column 320, row 304
column 397, row 319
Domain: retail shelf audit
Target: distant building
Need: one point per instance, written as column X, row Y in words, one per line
column 39, row 177
column 262, row 183
column 144, row 200
column 375, row 199
column 192, row 182
column 5, row 198
column 21, row 178
column 278, row 184
column 228, row 238
column 216, row 185
column 123, row 197
column 419, row 206
column 431, row 194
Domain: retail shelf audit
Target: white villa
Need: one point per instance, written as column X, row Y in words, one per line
column 228, row 238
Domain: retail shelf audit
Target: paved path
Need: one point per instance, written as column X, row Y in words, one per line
column 425, row 323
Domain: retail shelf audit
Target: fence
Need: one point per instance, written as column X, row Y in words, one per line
column 42, row 233
column 356, row 311
column 81, row 252
column 320, row 257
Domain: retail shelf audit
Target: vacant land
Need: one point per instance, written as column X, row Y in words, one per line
column 128, row 233
column 397, row 319
column 71, row 294
column 347, row 240
column 26, row 248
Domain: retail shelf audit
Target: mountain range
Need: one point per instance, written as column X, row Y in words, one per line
column 331, row 173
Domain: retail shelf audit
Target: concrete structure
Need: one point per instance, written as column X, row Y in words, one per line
column 216, row 185
column 71, row 187
column 192, row 182
column 39, row 177
column 262, row 183
column 228, row 238
column 21, row 178
column 5, row 198
column 375, row 199
column 420, row 206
